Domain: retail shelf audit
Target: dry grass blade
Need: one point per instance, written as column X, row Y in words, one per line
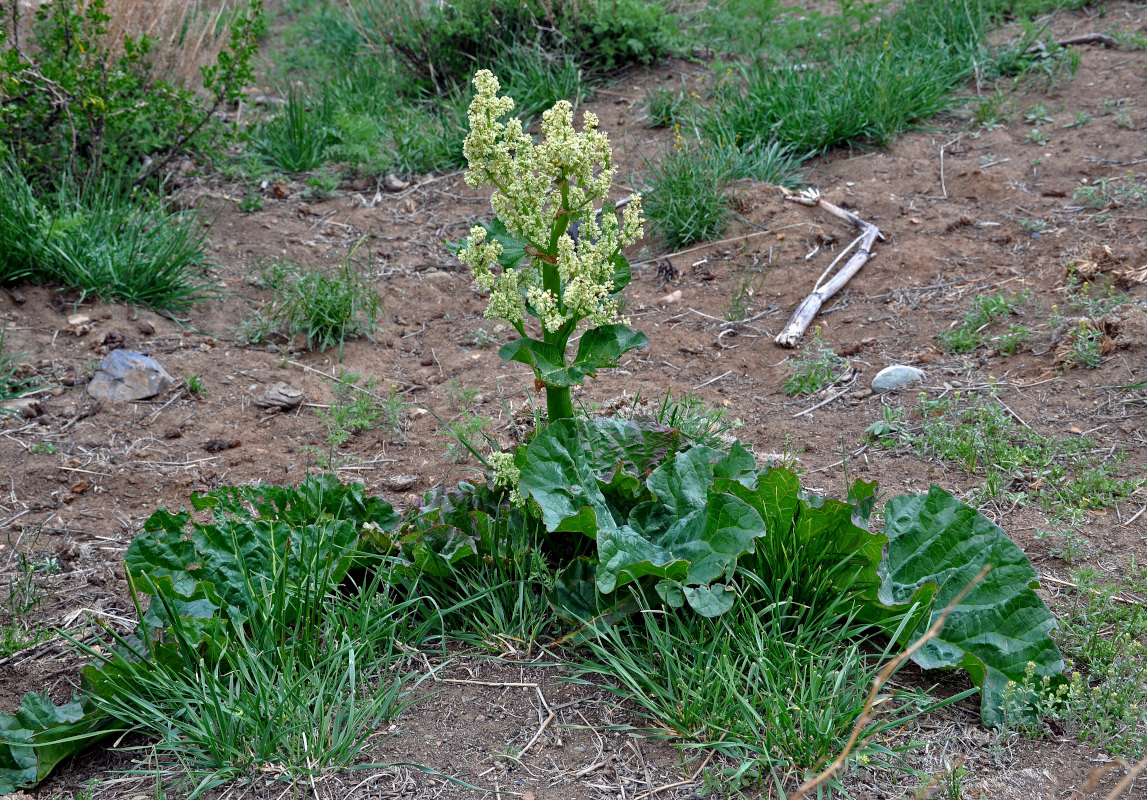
column 879, row 682
column 1128, row 779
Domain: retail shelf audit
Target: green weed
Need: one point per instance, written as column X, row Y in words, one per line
column 1106, row 192
column 889, row 431
column 1103, row 635
column 992, row 111
column 817, row 366
column 464, row 433
column 986, row 309
column 1083, row 347
column 328, row 306
column 745, row 287
column 982, row 437
column 43, row 448
column 194, row 384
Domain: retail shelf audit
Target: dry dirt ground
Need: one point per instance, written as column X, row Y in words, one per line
column 954, row 202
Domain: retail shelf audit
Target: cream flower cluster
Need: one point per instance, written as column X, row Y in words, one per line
column 567, row 173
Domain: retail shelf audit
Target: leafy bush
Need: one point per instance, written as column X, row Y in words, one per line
column 439, row 44
column 104, row 240
column 77, row 96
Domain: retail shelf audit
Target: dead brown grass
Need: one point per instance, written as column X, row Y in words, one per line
column 186, row 34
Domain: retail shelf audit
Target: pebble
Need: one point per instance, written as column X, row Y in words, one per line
column 896, row 376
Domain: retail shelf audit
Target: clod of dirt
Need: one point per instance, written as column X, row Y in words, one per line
column 1127, row 325
column 281, row 396
column 23, row 406
column 145, row 327
column 219, row 445
column 79, row 324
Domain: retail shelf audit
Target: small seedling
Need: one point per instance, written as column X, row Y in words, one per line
column 321, row 185
column 1037, row 115
column 889, row 431
column 460, row 396
column 44, row 448
column 1081, row 118
column 195, row 386
column 465, row 432
column 818, row 366
column 1036, row 137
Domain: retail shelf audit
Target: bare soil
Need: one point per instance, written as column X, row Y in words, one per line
column 953, row 201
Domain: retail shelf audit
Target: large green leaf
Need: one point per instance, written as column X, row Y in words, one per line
column 938, row 544
column 570, row 465
column 263, row 540
column 599, row 348
column 41, row 735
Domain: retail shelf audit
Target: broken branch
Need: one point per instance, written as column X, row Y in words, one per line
column 805, row 313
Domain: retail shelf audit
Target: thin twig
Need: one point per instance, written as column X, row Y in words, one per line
column 823, row 403
column 712, row 380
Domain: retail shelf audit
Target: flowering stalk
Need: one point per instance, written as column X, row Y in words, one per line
column 529, row 261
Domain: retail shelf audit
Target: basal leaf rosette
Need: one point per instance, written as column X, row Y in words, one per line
column 529, row 260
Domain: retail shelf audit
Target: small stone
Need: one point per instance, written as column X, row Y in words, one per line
column 145, row 327
column 22, row 406
column 399, row 483
column 861, row 394
column 126, row 375
column 670, row 299
column 896, row 376
column 393, row 183
column 280, row 396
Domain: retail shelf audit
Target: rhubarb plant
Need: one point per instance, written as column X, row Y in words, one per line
column 530, row 259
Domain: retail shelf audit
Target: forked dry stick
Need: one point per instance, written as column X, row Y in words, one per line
column 800, row 320
column 878, row 683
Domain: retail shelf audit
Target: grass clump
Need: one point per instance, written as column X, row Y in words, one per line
column 327, row 306
column 686, row 198
column 104, row 240
column 893, row 75
column 298, row 139
column 817, row 367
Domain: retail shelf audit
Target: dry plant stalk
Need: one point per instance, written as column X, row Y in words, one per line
column 186, row 36
column 878, row 683
column 803, row 316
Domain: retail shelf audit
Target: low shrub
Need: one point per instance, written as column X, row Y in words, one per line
column 84, row 96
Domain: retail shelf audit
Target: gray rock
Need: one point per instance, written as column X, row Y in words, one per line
column 896, row 376
column 126, row 375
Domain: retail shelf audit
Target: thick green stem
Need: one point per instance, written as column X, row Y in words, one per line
column 559, row 404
